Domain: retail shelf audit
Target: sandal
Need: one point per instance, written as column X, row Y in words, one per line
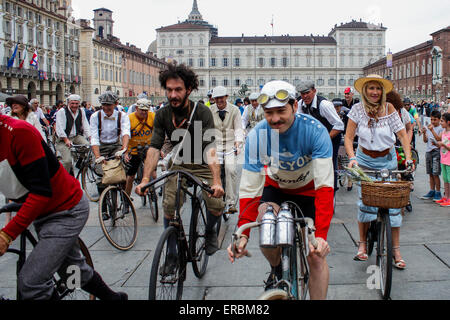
column 399, row 264
column 361, row 256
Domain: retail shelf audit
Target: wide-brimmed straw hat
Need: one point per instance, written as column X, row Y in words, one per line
column 387, row 85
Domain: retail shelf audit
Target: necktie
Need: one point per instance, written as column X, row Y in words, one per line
column 222, row 114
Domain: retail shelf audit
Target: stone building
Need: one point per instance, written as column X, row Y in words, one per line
column 47, row 29
column 422, row 71
column 333, row 61
column 108, row 64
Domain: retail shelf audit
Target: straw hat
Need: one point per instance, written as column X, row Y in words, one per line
column 359, row 84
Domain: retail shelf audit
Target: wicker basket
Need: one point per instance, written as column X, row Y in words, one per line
column 386, row 195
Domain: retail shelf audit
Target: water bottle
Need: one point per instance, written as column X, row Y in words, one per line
column 285, row 227
column 267, row 236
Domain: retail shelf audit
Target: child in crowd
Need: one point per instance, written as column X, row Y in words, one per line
column 444, row 144
column 432, row 135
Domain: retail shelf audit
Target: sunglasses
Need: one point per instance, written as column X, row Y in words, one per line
column 281, row 95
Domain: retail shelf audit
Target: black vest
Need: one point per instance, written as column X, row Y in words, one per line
column 315, row 112
column 70, row 121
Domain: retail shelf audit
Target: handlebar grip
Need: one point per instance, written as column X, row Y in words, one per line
column 11, row 207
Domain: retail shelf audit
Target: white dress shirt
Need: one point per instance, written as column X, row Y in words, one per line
column 61, row 124
column 328, row 111
column 109, row 128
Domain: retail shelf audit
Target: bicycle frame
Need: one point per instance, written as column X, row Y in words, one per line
column 289, row 255
column 177, row 221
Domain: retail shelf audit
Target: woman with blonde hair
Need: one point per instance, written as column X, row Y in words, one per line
column 377, row 123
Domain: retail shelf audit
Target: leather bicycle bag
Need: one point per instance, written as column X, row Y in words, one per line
column 113, row 172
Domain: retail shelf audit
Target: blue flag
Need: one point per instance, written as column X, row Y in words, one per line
column 11, row 60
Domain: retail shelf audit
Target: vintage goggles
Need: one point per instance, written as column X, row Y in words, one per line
column 281, row 95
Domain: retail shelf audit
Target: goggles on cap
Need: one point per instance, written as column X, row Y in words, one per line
column 281, row 95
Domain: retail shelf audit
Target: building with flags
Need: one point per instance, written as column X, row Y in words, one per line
column 39, row 50
column 334, row 61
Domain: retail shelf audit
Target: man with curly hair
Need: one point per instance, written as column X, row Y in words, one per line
column 180, row 81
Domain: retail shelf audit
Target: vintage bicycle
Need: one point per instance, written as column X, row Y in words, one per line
column 63, row 289
column 293, row 235
column 174, row 250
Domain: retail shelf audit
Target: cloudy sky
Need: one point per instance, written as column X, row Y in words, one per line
column 408, row 22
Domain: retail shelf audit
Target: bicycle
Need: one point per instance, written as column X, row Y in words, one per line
column 293, row 235
column 384, row 195
column 151, row 196
column 117, row 216
column 174, row 251
column 83, row 158
column 62, row 287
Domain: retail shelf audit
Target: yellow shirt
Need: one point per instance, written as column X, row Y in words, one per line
column 141, row 132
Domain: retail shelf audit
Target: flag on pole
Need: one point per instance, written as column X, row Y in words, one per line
column 272, row 22
column 34, row 60
column 13, row 57
column 22, row 62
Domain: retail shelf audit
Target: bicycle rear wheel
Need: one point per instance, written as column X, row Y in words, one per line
column 197, row 237
column 168, row 268
column 89, row 183
column 118, row 218
column 384, row 254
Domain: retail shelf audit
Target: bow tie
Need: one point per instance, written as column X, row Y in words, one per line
column 222, row 114
column 110, row 118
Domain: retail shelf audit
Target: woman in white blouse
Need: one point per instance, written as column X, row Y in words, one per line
column 376, row 123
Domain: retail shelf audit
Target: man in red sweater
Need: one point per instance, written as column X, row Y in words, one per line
column 54, row 201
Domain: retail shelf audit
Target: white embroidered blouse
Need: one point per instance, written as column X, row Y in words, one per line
column 376, row 136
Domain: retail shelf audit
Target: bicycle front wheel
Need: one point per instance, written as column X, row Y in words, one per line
column 89, row 183
column 118, row 218
column 168, row 268
column 384, row 255
column 197, row 237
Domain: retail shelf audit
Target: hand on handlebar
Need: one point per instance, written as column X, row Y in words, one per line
column 100, row 160
column 218, row 191
column 322, row 250
column 239, row 251
column 353, row 164
column 139, row 189
column 3, row 246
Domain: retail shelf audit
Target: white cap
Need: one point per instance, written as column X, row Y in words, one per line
column 254, row 96
column 219, row 92
column 74, row 97
column 272, row 88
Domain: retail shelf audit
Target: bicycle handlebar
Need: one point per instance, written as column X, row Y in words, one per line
column 11, row 207
column 309, row 224
column 187, row 175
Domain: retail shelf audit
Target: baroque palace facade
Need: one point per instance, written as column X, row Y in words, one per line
column 44, row 28
column 333, row 61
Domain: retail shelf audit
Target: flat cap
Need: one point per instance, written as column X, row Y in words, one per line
column 306, row 86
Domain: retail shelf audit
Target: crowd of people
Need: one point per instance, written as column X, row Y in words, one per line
column 310, row 130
